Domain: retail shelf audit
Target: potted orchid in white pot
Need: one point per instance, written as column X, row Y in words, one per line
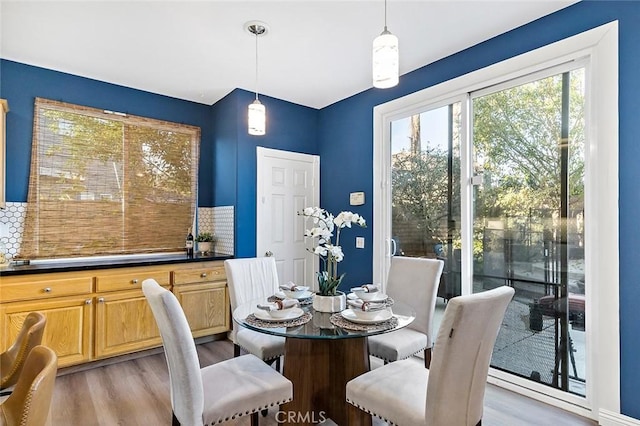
column 327, row 230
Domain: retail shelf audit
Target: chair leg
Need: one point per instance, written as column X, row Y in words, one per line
column 427, row 358
column 174, row 420
column 278, row 365
column 254, row 419
column 236, row 350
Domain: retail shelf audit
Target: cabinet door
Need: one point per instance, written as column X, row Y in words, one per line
column 206, row 307
column 124, row 323
column 68, row 328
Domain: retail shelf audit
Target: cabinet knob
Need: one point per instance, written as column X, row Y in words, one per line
column 100, row 299
column 134, row 281
column 87, row 302
column 203, row 275
column 47, row 289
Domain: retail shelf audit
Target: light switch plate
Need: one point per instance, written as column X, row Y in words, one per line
column 359, row 242
column 356, row 198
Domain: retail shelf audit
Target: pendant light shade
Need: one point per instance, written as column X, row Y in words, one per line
column 385, row 58
column 257, row 118
column 257, row 114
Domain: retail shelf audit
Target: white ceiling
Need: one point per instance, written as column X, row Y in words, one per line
column 316, row 52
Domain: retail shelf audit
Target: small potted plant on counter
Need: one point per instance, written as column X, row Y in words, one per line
column 205, row 242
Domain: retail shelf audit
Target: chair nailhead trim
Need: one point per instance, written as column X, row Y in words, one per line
column 392, row 360
column 255, row 410
column 366, row 410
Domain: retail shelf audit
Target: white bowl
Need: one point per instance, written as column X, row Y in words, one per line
column 365, row 315
column 281, row 313
column 295, row 294
column 364, row 295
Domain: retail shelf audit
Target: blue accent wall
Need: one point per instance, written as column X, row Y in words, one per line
column 346, row 135
column 290, row 127
column 224, row 120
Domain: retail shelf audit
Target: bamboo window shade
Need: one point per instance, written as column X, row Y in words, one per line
column 105, row 183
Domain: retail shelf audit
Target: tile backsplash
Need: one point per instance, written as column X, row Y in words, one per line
column 216, row 220
column 12, row 226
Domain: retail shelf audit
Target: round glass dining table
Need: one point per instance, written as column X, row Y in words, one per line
column 323, row 351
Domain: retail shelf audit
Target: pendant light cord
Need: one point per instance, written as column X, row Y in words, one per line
column 385, row 15
column 256, row 64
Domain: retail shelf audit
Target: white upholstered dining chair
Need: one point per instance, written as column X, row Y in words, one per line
column 413, row 281
column 216, row 393
column 249, row 279
column 451, row 391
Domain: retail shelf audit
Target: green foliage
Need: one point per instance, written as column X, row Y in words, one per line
column 420, row 187
column 517, row 139
column 205, row 237
column 328, row 285
column 517, row 147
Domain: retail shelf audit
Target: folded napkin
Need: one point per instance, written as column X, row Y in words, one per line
column 292, row 287
column 368, row 288
column 366, row 306
column 278, row 305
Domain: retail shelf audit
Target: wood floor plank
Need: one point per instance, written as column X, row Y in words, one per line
column 135, row 392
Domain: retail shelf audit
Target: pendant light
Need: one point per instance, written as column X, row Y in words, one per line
column 385, row 57
column 257, row 113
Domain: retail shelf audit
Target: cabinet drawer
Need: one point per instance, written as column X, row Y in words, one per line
column 130, row 280
column 190, row 276
column 46, row 289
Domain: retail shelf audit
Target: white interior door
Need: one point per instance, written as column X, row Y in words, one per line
column 287, row 183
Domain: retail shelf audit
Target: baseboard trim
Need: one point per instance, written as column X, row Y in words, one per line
column 609, row 418
column 127, row 357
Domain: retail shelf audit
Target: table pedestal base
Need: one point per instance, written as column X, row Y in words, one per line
column 320, row 370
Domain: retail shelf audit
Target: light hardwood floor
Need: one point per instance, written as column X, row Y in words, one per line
column 136, row 392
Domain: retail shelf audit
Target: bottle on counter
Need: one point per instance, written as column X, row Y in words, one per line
column 189, row 244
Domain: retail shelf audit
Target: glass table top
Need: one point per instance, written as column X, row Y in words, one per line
column 320, row 325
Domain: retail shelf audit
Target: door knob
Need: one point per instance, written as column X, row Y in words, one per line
column 269, row 253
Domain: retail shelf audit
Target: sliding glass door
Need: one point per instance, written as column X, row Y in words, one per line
column 512, row 157
column 528, row 222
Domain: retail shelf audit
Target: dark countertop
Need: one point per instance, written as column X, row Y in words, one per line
column 105, row 263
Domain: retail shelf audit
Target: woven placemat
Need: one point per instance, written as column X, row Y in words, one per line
column 339, row 321
column 301, row 302
column 253, row 320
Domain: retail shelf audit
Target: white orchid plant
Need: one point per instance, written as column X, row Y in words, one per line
column 328, row 250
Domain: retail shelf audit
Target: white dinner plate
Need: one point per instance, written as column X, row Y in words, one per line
column 305, row 295
column 264, row 315
column 381, row 316
column 380, row 297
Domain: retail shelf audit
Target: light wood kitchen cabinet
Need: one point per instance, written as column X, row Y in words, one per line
column 124, row 324
column 69, row 328
column 100, row 313
column 202, row 292
column 124, row 321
